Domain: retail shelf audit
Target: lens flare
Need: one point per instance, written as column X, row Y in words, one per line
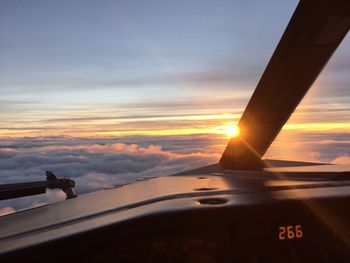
column 233, row 131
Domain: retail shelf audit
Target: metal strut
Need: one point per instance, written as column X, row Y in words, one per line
column 10, row 191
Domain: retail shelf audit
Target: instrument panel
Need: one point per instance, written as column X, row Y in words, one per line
column 286, row 231
column 266, row 234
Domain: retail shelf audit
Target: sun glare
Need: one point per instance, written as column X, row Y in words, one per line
column 233, row 131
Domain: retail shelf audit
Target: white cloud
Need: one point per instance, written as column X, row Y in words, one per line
column 95, row 166
column 97, row 163
column 342, row 160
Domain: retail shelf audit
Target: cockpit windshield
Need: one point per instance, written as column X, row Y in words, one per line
column 107, row 93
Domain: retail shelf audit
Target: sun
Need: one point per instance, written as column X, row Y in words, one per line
column 233, row 131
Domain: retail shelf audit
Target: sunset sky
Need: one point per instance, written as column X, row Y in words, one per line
column 82, row 68
column 146, row 73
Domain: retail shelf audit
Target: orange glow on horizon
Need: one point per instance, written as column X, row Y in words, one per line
column 207, row 125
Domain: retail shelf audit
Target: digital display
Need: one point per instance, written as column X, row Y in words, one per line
column 290, row 232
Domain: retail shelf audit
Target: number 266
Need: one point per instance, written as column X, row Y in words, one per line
column 290, row 232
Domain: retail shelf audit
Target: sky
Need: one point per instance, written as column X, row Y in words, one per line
column 110, row 91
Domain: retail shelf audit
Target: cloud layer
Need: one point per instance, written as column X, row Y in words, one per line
column 97, row 163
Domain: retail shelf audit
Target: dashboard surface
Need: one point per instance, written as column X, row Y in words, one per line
column 228, row 217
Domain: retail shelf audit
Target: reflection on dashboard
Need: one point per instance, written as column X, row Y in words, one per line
column 273, row 232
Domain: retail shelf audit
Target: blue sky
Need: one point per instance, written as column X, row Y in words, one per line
column 63, row 59
column 117, row 66
column 111, row 62
column 102, row 68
